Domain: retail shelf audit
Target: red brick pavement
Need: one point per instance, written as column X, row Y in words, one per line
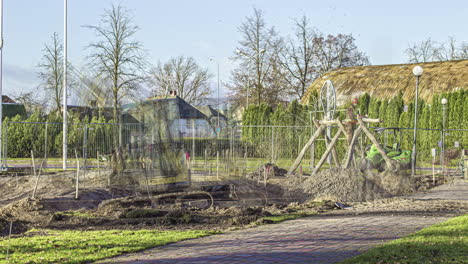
column 318, row 239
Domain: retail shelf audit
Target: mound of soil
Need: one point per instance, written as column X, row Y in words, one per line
column 351, row 185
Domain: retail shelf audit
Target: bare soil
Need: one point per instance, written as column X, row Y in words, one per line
column 249, row 200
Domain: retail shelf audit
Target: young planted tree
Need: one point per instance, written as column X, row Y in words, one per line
column 51, row 71
column 183, row 75
column 118, row 57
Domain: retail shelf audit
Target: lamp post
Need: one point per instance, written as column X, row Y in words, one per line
column 249, row 68
column 444, row 102
column 417, row 71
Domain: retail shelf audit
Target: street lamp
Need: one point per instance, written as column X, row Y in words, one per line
column 417, row 72
column 249, row 68
column 444, row 102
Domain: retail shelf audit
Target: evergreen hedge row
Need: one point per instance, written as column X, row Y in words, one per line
column 392, row 112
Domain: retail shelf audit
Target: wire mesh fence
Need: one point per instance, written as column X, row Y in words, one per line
column 199, row 152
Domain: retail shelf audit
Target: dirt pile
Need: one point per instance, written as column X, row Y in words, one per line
column 351, row 185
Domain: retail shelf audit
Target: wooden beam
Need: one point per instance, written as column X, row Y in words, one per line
column 327, row 139
column 349, row 154
column 388, row 161
column 371, row 120
column 329, row 148
column 304, row 149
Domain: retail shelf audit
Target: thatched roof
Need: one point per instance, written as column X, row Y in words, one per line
column 386, row 81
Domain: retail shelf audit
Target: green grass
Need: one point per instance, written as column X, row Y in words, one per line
column 446, row 242
column 52, row 246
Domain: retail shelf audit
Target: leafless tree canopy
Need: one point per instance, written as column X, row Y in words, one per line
column 116, row 56
column 296, row 57
column 255, row 78
column 183, row 75
column 30, row 101
column 336, row 51
column 429, row 50
column 274, row 69
column 51, row 70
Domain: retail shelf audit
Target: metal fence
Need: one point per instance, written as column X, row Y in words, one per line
column 154, row 160
column 239, row 149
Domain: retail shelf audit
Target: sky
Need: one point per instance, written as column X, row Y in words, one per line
column 207, row 29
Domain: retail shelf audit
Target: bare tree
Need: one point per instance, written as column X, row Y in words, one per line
column 117, row 57
column 423, row 51
column 429, row 50
column 30, row 101
column 297, row 57
column 257, row 56
column 51, row 70
column 336, row 51
column 183, row 75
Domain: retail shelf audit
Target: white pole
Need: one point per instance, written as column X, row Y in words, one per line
column 219, row 106
column 64, row 108
column 1, row 81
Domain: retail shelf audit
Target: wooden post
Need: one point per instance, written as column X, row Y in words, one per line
column 301, row 172
column 329, row 148
column 265, row 175
column 206, row 154
column 9, row 237
column 37, row 180
column 304, row 149
column 77, row 180
column 349, row 154
column 217, row 165
column 327, row 139
column 33, row 163
column 98, row 165
column 374, row 141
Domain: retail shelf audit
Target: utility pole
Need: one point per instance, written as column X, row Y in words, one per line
column 1, row 81
column 65, row 97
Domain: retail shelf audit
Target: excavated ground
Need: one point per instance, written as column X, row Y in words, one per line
column 250, row 200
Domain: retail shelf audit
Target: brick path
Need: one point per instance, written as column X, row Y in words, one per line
column 318, row 239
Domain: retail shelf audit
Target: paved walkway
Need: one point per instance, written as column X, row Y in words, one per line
column 318, row 239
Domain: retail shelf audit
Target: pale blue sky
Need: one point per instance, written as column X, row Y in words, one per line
column 208, row 28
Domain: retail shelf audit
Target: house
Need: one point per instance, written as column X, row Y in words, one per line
column 386, row 81
column 181, row 118
column 12, row 108
column 213, row 115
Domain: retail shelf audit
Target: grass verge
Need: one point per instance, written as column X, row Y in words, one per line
column 52, row 246
column 446, row 242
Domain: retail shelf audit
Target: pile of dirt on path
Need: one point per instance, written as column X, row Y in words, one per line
column 351, row 185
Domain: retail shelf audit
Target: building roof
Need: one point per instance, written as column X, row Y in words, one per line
column 7, row 99
column 177, row 106
column 209, row 112
column 386, row 81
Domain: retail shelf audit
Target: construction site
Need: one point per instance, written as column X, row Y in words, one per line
column 147, row 174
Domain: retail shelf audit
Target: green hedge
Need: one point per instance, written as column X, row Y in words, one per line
column 391, row 112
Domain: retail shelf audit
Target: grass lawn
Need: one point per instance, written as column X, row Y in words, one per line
column 446, row 242
column 52, row 246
